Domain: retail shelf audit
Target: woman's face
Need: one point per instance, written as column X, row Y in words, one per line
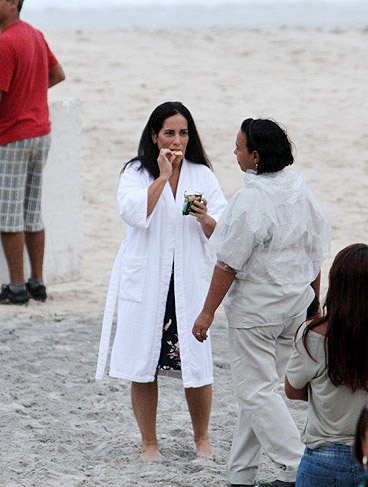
column 246, row 159
column 173, row 134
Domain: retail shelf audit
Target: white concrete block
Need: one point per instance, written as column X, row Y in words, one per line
column 61, row 199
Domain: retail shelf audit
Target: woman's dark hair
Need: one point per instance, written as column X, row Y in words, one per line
column 148, row 150
column 270, row 141
column 361, row 433
column 346, row 314
column 20, row 5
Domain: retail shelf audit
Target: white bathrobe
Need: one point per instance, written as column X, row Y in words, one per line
column 142, row 272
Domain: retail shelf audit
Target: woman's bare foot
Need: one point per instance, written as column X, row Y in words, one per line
column 203, row 448
column 150, row 453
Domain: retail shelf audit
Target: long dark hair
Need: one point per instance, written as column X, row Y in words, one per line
column 346, row 314
column 270, row 141
column 361, row 433
column 148, row 150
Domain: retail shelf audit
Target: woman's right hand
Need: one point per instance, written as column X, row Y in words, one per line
column 165, row 164
column 201, row 325
column 164, row 161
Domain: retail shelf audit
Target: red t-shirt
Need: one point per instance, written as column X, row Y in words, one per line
column 25, row 60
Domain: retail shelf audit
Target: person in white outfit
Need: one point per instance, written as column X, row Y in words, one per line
column 157, row 275
column 269, row 243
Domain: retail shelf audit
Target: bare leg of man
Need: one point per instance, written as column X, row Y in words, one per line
column 199, row 401
column 13, row 245
column 144, row 401
column 35, row 243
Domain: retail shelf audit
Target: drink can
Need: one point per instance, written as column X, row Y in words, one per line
column 188, row 200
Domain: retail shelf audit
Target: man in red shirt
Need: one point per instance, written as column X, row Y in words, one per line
column 27, row 69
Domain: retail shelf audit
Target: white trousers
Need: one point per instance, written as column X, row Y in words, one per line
column 260, row 355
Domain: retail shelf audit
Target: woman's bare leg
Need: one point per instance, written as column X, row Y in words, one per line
column 144, row 401
column 199, row 401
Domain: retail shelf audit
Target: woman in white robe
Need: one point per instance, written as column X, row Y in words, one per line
column 158, row 272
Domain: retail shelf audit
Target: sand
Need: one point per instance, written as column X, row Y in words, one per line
column 59, row 427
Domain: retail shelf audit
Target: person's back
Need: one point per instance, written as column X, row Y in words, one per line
column 329, row 369
column 284, row 238
column 333, row 411
column 25, row 60
column 290, row 229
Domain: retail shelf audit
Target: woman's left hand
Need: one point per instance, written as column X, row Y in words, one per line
column 201, row 325
column 199, row 210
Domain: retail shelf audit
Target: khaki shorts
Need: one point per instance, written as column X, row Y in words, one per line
column 21, row 165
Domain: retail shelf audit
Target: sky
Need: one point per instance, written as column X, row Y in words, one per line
column 101, row 14
column 99, row 3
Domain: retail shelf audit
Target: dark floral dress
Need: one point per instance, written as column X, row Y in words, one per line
column 169, row 361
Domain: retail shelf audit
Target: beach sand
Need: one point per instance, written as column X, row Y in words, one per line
column 58, row 426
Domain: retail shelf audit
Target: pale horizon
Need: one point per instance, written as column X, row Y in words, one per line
column 81, row 4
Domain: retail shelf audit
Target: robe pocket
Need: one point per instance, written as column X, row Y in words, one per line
column 132, row 278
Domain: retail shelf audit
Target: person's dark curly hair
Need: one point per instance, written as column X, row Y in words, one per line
column 270, row 141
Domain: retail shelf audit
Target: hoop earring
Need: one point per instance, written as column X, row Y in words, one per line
column 365, row 463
